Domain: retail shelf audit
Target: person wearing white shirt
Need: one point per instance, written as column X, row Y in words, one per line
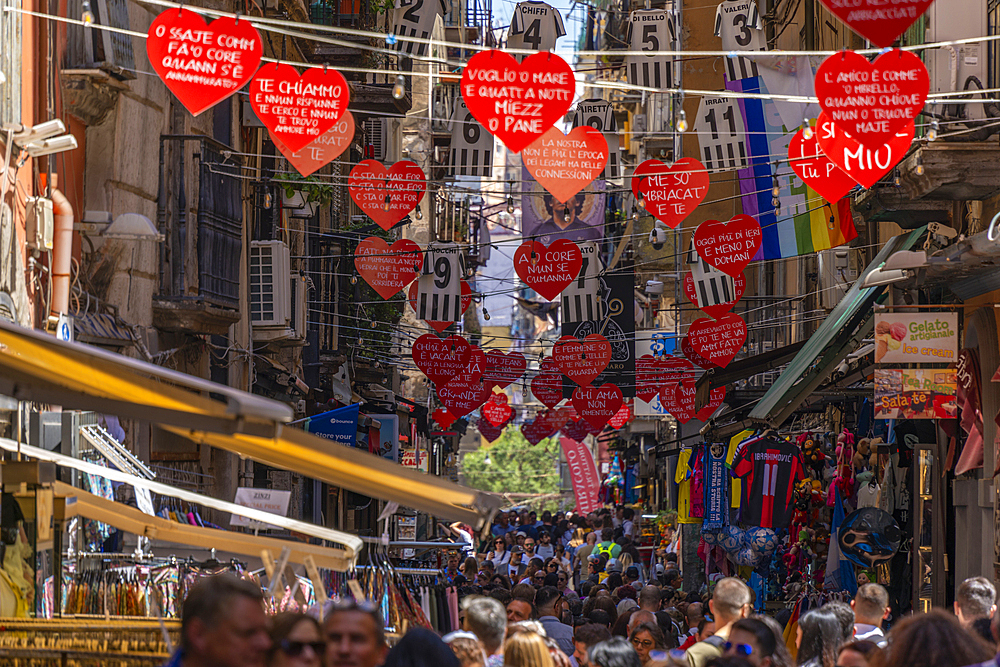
column 544, row 549
column 871, row 607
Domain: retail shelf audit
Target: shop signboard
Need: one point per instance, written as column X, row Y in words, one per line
column 916, row 338
column 583, row 473
column 909, row 393
column 273, row 501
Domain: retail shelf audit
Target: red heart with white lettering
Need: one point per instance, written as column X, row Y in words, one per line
column 678, row 399
column 534, row 432
column 718, row 310
column 564, row 164
column 597, row 405
column 463, row 393
column 489, row 431
column 728, row 246
column 554, row 419
column 444, row 418
column 872, row 101
column 298, row 109
column 691, row 355
column 622, row 417
column 434, row 324
column 651, row 373
column 547, row 388
column 548, row 269
column 865, row 165
column 517, row 102
column 441, row 359
column 671, row 193
column 715, row 399
column 582, row 360
column 876, row 21
column 386, row 268
column 325, row 149
column 503, row 369
column 816, row 170
column 202, row 64
column 577, row 430
column 476, row 366
column 387, row 195
column 496, row 411
column 717, row 341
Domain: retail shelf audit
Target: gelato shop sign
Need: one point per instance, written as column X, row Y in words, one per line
column 916, row 338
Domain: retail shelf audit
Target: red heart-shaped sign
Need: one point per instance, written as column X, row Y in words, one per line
column 477, row 363
column 202, row 64
column 386, row 268
column 817, row 170
column 672, row 193
column 876, row 21
column 651, row 373
column 622, row 417
column 441, row 359
column 872, row 101
column 576, row 430
column 717, row 311
column 547, row 388
column 695, row 357
column 534, row 432
column 463, row 394
column 298, row 109
column 717, row 341
column 548, row 270
column 863, row 164
column 715, row 399
column 321, row 152
column 517, row 102
column 678, row 399
column 728, row 246
column 554, row 419
column 582, row 360
column 444, row 418
column 489, row 432
column 440, row 326
column 387, row 195
column 496, row 410
column 503, row 369
column 597, row 405
column 564, row 164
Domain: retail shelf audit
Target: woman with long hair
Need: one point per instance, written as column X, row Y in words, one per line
column 819, row 637
column 647, row 637
column 526, row 649
column 296, row 641
column 470, row 568
column 934, row 639
column 499, row 554
column 602, row 602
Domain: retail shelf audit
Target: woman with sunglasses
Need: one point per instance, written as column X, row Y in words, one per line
column 754, row 640
column 499, row 553
column 297, row 641
column 647, row 637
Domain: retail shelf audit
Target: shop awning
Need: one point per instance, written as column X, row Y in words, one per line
column 840, row 334
column 358, row 471
column 134, row 521
column 37, row 367
column 743, row 369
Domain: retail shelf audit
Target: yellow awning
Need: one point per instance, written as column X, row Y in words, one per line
column 134, row 521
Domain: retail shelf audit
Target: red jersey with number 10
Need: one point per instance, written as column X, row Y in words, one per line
column 773, row 468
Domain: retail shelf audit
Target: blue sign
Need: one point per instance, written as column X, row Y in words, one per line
column 340, row 425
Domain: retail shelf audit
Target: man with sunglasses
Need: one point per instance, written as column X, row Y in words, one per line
column 515, row 568
column 730, row 602
column 545, row 548
column 355, row 635
column 563, row 586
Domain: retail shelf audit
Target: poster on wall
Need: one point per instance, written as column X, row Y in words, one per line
column 546, row 220
column 916, row 338
column 909, row 393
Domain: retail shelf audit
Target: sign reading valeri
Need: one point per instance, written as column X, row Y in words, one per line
column 916, row 338
column 298, row 109
column 564, row 164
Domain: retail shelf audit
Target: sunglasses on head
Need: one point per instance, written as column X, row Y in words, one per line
column 741, row 649
column 295, row 649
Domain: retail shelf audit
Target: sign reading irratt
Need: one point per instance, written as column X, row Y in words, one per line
column 583, row 474
column 386, row 268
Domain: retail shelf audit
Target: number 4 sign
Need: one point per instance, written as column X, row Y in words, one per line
column 721, row 134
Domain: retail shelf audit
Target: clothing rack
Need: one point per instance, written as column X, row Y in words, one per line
column 418, row 545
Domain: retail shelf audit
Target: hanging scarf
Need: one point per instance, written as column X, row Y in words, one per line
column 716, row 487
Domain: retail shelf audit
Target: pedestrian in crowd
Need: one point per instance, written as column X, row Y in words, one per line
column 451, row 569
column 486, row 618
column 501, row 595
column 583, row 552
column 498, row 555
column 296, row 641
column 626, row 606
column 819, row 637
column 845, row 615
column 603, row 603
column 544, row 548
column 470, row 568
column 975, row 598
column 355, row 635
column 859, row 653
column 421, row 648
column 562, row 583
column 520, row 609
column 621, row 625
column 595, row 568
column 649, row 599
column 615, row 652
column 934, row 639
column 515, row 566
column 501, row 580
column 702, row 631
column 502, row 526
column 526, row 649
column 693, row 616
column 632, row 577
column 607, row 547
column 585, row 636
column 223, row 625
column 565, row 564
column 646, row 637
column 753, row 639
column 549, row 602
column 871, row 608
column 467, row 648
column 730, row 602
column 600, row 617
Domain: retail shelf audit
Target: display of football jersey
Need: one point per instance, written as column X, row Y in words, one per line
column 579, row 299
column 712, row 286
column 683, row 478
column 770, row 469
column 535, row 25
column 741, row 29
column 439, row 288
column 650, row 31
column 415, row 18
column 471, row 144
column 599, row 114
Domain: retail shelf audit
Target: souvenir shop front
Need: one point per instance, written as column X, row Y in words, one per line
column 65, row 590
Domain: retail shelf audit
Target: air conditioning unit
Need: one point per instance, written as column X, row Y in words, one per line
column 300, row 304
column 38, row 223
column 270, row 298
column 376, row 136
column 950, row 68
column 836, row 274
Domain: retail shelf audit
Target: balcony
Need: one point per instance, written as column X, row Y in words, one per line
column 200, row 267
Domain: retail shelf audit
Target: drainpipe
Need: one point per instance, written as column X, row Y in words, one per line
column 62, row 253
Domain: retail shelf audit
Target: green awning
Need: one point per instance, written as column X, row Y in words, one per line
column 841, row 332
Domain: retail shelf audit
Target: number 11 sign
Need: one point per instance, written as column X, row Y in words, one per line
column 721, row 134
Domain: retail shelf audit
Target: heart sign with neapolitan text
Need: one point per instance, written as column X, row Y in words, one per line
column 671, row 193
column 816, row 169
column 695, row 357
column 877, row 21
column 651, row 373
column 622, row 417
column 678, row 399
column 548, row 269
column 324, row 150
column 534, row 431
column 517, row 102
column 411, row 294
column 387, row 195
column 503, row 369
column 582, row 360
column 564, row 164
column 441, row 359
column 865, row 165
column 296, row 108
column 715, row 398
column 597, row 405
column 386, row 268
column 463, row 393
column 489, row 431
column 547, row 388
column 202, row 64
column 872, row 101
column 717, row 341
column 718, row 310
column 496, row 411
column 728, row 246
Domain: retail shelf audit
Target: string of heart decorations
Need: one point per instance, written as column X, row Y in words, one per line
column 865, row 128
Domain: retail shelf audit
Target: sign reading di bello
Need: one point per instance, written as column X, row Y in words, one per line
column 916, row 338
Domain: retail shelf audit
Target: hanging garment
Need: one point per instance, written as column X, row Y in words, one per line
column 741, row 29
column 535, row 25
column 415, row 18
column 471, row 145
column 651, row 31
column 683, row 479
column 771, row 468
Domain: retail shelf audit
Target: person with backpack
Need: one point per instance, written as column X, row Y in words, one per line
column 607, row 547
column 730, row 602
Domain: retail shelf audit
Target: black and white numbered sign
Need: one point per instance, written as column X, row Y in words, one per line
column 415, row 18
column 439, row 287
column 740, row 27
column 579, row 299
column 712, row 286
column 599, row 114
column 652, row 32
column 535, row 25
column 721, row 134
column 471, row 144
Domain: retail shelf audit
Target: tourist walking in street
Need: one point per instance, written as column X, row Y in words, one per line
column 296, row 641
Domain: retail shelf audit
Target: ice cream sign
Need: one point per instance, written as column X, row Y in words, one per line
column 916, row 338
